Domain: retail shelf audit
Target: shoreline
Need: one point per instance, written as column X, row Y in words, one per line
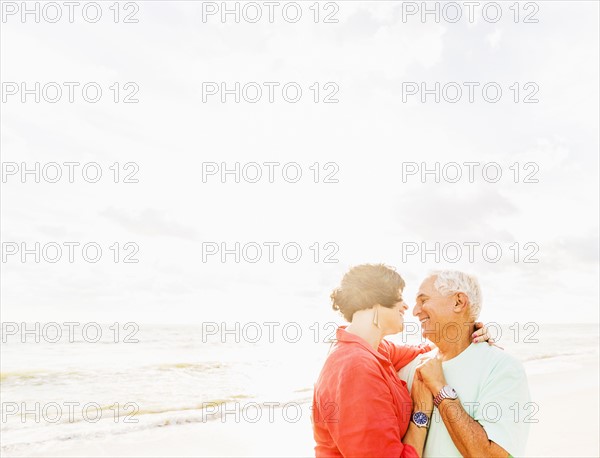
column 563, row 390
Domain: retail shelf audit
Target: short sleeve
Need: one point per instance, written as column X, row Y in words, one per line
column 401, row 355
column 366, row 423
column 504, row 407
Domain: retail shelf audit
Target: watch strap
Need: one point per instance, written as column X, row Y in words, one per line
column 437, row 400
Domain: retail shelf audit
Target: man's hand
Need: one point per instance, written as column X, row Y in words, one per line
column 430, row 372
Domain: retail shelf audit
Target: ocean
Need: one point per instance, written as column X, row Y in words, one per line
column 75, row 388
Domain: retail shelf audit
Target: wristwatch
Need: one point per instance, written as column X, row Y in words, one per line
column 421, row 419
column 447, row 392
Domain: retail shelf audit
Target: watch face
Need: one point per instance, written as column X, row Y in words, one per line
column 420, row 418
column 450, row 392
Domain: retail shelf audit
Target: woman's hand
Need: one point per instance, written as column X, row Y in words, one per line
column 421, row 397
column 481, row 334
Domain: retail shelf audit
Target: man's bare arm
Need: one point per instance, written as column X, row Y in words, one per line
column 468, row 435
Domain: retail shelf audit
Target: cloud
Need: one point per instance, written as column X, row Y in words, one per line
column 150, row 222
column 448, row 213
column 574, row 251
column 494, row 38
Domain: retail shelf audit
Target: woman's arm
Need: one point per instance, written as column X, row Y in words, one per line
column 422, row 402
column 365, row 421
column 401, row 355
column 415, row 437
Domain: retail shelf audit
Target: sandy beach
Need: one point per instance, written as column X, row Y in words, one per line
column 566, row 392
column 568, row 400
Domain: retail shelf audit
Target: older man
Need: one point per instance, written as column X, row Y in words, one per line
column 481, row 394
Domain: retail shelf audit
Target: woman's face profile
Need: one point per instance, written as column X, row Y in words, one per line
column 393, row 318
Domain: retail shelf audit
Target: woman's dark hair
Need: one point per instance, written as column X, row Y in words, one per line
column 366, row 285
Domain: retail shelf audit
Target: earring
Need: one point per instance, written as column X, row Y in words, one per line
column 376, row 317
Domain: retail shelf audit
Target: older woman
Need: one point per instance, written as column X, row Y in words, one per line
column 360, row 406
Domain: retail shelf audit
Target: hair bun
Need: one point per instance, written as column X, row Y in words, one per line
column 364, row 286
column 335, row 298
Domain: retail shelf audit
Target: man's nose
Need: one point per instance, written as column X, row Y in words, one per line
column 416, row 309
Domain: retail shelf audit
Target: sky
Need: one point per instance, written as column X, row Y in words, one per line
column 364, row 207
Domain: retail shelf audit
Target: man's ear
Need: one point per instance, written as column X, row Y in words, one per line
column 462, row 302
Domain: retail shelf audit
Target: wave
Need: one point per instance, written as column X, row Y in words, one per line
column 194, row 366
column 153, row 418
column 134, row 421
column 543, row 356
column 47, row 375
column 36, row 374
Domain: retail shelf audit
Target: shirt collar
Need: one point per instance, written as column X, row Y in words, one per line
column 347, row 337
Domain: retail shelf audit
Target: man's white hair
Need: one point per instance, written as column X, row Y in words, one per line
column 449, row 282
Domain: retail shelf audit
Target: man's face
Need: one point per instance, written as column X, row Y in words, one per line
column 434, row 310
